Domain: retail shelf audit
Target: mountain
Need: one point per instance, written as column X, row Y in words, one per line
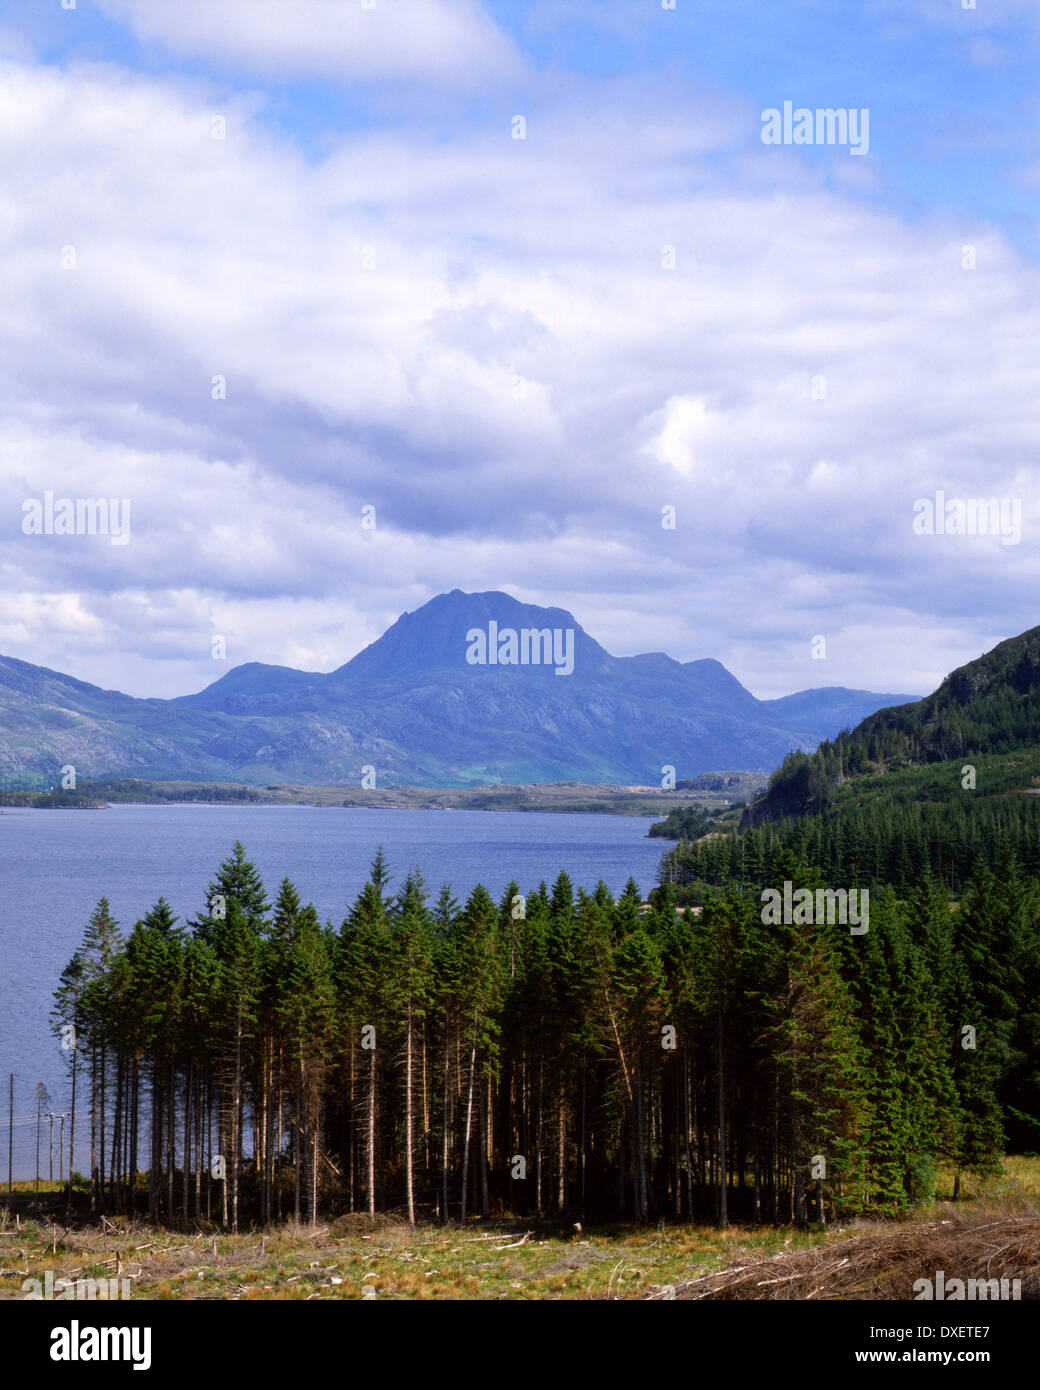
column 820, row 713
column 468, row 689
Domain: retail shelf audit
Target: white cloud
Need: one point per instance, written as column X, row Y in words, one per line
column 426, row 40
column 497, row 263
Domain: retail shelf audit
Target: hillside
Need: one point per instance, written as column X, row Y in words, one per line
column 989, row 708
column 413, row 707
column 934, row 787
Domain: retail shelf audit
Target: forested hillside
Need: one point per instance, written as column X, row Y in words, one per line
column 988, row 707
column 929, row 807
column 558, row 1052
column 937, row 787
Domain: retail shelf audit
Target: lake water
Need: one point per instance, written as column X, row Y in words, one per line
column 55, row 865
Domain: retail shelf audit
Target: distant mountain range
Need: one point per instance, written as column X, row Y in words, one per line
column 469, row 689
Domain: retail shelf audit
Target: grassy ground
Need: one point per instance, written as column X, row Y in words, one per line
column 356, row 1257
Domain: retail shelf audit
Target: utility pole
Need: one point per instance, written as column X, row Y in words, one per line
column 50, row 1116
column 61, row 1148
column 10, row 1133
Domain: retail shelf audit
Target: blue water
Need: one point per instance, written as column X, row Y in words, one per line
column 55, row 865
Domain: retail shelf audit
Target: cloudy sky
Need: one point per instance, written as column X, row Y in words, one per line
column 517, row 350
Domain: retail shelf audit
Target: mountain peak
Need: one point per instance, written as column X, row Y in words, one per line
column 435, row 637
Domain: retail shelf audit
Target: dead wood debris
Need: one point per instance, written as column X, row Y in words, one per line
column 883, row 1263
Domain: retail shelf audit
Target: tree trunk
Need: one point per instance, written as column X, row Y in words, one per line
column 372, row 1133
column 300, row 1142
column 484, row 1129
column 134, row 1122
column 101, row 1184
column 686, row 1133
column 469, row 1121
column 171, row 1120
column 561, row 1149
column 446, row 1132
column 409, row 1176
column 114, row 1167
column 186, row 1200
column 93, row 1130
column 153, row 1176
column 723, row 1207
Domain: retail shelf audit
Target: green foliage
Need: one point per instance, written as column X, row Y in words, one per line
column 644, row 1059
column 684, row 823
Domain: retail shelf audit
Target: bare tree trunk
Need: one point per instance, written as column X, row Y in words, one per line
column 198, row 1148
column 538, row 1139
column 582, row 1139
column 269, row 1136
column 350, row 1136
column 187, row 1140
column 372, row 1133
column 469, row 1121
column 94, row 1204
column 281, row 1134
column 101, row 1178
column 153, row 1176
column 425, row 1107
column 484, row 1126
column 409, row 1175
column 315, row 1159
column 231, row 1161
column 446, row 1133
column 723, row 1208
column 171, row 1120
column 115, row 1176
column 686, row 1132
column 300, row 1143
column 636, row 1143
column 224, row 1149
column 134, row 1120
column 561, row 1149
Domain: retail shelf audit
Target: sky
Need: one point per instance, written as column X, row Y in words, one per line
column 354, row 302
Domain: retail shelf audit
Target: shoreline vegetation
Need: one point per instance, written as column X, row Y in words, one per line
column 714, row 792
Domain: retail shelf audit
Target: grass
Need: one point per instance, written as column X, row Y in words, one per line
column 383, row 1258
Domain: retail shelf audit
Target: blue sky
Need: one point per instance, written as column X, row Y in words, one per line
column 480, row 337
column 952, row 91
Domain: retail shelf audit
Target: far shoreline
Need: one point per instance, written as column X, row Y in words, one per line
column 713, row 791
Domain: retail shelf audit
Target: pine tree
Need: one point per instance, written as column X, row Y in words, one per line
column 364, row 946
column 306, row 1012
column 479, row 967
column 237, row 944
column 67, row 1022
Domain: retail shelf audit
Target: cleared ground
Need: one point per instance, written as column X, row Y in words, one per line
column 358, row 1257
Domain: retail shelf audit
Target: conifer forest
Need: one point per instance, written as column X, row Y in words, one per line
column 560, row 1052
